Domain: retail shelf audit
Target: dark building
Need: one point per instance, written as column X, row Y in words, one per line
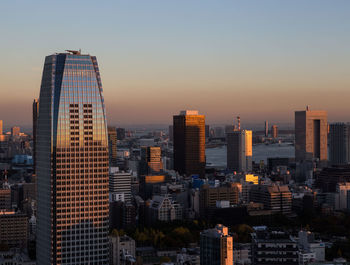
column 120, row 133
column 35, row 126
column 273, row 247
column 328, row 178
column 339, row 143
column 274, row 162
column 151, row 160
column 13, row 229
column 112, row 146
column 239, row 150
column 72, row 163
column 189, row 143
column 278, row 199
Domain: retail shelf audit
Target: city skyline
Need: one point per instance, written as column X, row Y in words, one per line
column 220, row 57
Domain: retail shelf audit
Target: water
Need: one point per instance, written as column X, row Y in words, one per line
column 217, row 156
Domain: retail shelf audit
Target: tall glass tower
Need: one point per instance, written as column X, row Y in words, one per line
column 72, row 163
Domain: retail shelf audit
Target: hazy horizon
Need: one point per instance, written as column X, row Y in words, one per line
column 261, row 60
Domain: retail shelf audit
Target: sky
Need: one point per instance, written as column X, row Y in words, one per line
column 258, row 59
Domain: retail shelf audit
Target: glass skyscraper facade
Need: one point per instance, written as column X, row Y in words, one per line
column 72, row 163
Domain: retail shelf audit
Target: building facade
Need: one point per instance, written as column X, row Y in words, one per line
column 239, row 150
column 311, row 131
column 120, row 185
column 35, row 126
column 189, row 143
column 339, row 143
column 151, row 160
column 216, row 246
column 72, row 163
column 112, row 146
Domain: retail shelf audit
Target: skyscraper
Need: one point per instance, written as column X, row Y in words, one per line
column 216, row 246
column 112, row 146
column 339, row 143
column 151, row 160
column 120, row 133
column 274, row 131
column 311, row 131
column 189, row 143
column 1, row 129
column 72, row 163
column 15, row 131
column 35, row 126
column 239, row 150
column 266, row 128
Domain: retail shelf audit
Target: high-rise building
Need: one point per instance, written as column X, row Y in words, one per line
column 120, row 185
column 189, row 143
column 15, row 131
column 311, row 132
column 35, row 126
column 1, row 128
column 112, row 146
column 72, row 163
column 274, row 131
column 266, row 128
column 216, row 246
column 339, row 143
column 171, row 133
column 239, row 150
column 120, row 133
column 151, row 160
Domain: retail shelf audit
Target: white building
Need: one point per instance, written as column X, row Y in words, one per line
column 119, row 185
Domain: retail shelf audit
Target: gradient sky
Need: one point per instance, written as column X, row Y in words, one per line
column 260, row 59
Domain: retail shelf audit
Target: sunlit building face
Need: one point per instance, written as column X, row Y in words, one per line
column 72, row 163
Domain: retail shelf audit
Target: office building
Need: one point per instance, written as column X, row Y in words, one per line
column 189, row 143
column 273, row 247
column 120, row 133
column 151, row 160
column 308, row 244
column 239, row 150
column 5, row 198
column 119, row 185
column 328, row 178
column 164, row 209
column 122, row 249
column 35, row 126
column 311, row 130
column 1, row 128
column 216, row 246
column 339, row 143
column 277, row 199
column 343, row 196
column 208, row 196
column 72, row 163
column 15, row 131
column 171, row 133
column 13, row 229
column 266, row 128
column 274, row 131
column 112, row 146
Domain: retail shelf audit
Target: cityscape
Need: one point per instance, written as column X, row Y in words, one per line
column 90, row 174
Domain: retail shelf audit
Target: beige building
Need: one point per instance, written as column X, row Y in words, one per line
column 216, row 246
column 311, row 131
